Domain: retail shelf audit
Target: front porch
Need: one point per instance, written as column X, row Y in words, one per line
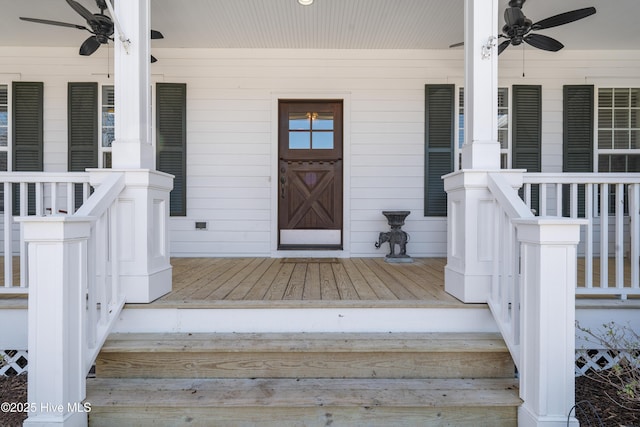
column 282, row 282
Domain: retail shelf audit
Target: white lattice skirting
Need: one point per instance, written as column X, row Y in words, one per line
column 15, row 362
column 599, row 360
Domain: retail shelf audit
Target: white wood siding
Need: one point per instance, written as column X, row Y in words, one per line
column 232, row 151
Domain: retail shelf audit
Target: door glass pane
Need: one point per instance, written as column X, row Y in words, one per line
column 322, row 121
column 323, row 140
column 299, row 140
column 299, row 121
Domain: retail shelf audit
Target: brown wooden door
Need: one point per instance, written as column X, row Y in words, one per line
column 310, row 174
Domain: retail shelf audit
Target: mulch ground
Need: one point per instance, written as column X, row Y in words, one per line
column 13, row 390
column 596, row 397
column 600, row 405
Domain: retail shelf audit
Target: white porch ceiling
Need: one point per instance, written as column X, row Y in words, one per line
column 327, row 24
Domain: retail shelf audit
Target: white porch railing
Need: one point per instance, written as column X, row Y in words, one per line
column 104, row 298
column 612, row 243
column 74, row 301
column 36, row 194
column 533, row 302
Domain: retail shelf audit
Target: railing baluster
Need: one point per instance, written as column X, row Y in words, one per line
column 24, row 211
column 85, row 191
column 54, row 198
column 101, row 267
column 497, row 224
column 113, row 246
column 574, row 201
column 604, row 235
column 634, row 214
column 619, row 230
column 8, row 235
column 92, row 303
column 71, row 202
column 506, row 287
column 527, row 195
column 543, row 200
column 515, row 266
column 558, row 199
column 588, row 247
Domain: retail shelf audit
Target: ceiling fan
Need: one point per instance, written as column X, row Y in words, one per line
column 518, row 28
column 100, row 25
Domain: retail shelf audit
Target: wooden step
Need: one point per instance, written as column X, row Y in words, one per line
column 305, row 355
column 302, row 402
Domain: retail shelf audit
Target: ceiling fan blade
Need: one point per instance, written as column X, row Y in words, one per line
column 49, row 22
column 153, row 59
column 81, row 10
column 456, row 44
column 564, row 18
column 89, row 46
column 156, row 35
column 502, row 46
column 513, row 16
column 543, row 42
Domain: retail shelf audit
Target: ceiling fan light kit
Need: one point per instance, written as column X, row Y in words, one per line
column 101, row 27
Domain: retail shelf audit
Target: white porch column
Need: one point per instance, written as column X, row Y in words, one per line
column 57, row 287
column 144, row 254
column 549, row 274
column 469, row 264
column 481, row 149
column 132, row 147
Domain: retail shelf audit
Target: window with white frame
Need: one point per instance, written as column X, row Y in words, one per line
column 618, row 130
column 107, row 123
column 503, row 127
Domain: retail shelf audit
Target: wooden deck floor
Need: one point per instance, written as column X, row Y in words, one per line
column 349, row 280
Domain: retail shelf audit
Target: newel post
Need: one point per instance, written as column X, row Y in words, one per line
column 548, row 281
column 57, row 253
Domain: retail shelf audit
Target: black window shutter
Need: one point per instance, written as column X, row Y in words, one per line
column 577, row 143
column 527, row 132
column 27, row 134
column 171, row 140
column 439, row 148
column 82, row 128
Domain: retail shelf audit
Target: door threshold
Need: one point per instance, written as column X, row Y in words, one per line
column 309, row 247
